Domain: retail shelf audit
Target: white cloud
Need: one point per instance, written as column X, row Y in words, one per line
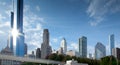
column 33, row 29
column 90, row 49
column 2, row 32
column 73, row 46
column 3, row 3
column 37, row 8
column 5, row 24
column 55, row 40
column 98, row 9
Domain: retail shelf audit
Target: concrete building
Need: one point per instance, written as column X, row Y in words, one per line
column 60, row 51
column 20, row 45
column 116, row 53
column 30, row 55
column 72, row 62
column 64, row 45
column 100, row 51
column 111, row 43
column 38, row 53
column 45, row 47
column 72, row 53
column 83, row 47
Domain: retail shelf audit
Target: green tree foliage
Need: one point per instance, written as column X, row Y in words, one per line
column 108, row 60
column 64, row 58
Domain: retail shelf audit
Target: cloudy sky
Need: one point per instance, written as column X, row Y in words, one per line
column 71, row 19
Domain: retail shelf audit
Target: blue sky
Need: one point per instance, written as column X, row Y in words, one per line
column 71, row 19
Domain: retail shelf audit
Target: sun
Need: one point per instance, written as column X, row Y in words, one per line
column 15, row 33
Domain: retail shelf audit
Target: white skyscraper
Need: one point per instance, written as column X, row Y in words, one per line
column 64, row 45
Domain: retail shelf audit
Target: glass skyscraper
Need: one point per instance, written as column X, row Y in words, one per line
column 83, row 47
column 100, row 51
column 20, row 45
column 11, row 36
column 111, row 43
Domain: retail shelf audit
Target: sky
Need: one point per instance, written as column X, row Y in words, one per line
column 69, row 19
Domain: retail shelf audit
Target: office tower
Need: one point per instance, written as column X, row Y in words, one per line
column 20, row 45
column 64, row 45
column 111, row 43
column 60, row 51
column 100, row 51
column 38, row 53
column 116, row 53
column 11, row 36
column 26, row 49
column 83, row 47
column 45, row 47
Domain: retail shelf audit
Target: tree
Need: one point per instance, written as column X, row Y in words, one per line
column 108, row 60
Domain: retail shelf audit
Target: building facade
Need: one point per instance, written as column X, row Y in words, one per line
column 64, row 45
column 38, row 53
column 11, row 35
column 45, row 47
column 26, row 48
column 60, row 50
column 20, row 45
column 116, row 53
column 100, row 51
column 83, row 47
column 111, row 43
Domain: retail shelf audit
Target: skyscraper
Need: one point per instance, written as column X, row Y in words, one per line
column 38, row 53
column 45, row 47
column 11, row 36
column 100, row 51
column 83, row 47
column 111, row 43
column 20, row 45
column 64, row 45
column 25, row 49
column 116, row 53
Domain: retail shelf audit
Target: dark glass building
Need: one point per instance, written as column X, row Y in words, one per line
column 20, row 45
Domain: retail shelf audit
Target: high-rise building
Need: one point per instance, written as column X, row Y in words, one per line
column 111, row 43
column 38, row 53
column 60, row 51
column 64, row 45
column 116, row 53
column 83, row 47
column 20, row 45
column 100, row 51
column 11, row 36
column 26, row 49
column 45, row 47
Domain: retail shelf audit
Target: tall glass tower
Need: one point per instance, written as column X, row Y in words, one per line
column 83, row 47
column 100, row 51
column 11, row 36
column 111, row 43
column 20, row 45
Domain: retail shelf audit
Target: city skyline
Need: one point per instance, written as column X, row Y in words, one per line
column 69, row 20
